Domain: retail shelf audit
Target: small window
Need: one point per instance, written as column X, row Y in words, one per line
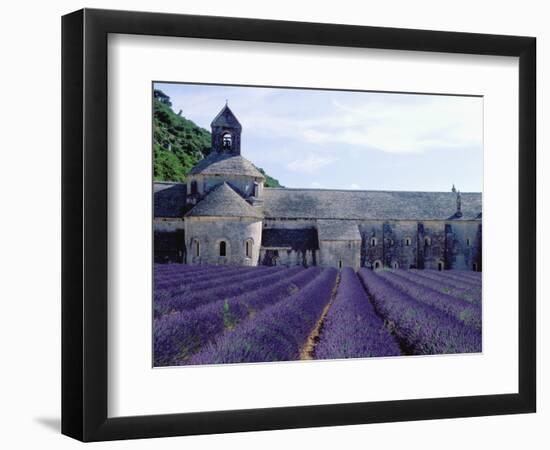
column 468, row 242
column 193, row 187
column 408, row 242
column 227, row 140
column 427, row 241
column 440, row 265
column 248, row 248
column 197, row 248
column 373, row 242
column 474, row 267
column 340, row 264
column 377, row 265
column 223, row 248
column 395, row 265
column 256, row 192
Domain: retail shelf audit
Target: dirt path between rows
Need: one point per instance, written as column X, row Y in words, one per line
column 308, row 351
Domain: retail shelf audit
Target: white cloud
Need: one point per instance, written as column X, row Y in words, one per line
column 402, row 124
column 354, row 186
column 311, row 163
column 386, row 122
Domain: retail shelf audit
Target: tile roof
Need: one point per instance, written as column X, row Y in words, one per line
column 338, row 230
column 223, row 201
column 225, row 164
column 169, row 199
column 226, row 119
column 366, row 205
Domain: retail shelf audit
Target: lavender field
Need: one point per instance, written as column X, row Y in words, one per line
column 227, row 314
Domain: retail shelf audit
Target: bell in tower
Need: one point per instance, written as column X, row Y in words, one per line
column 226, row 132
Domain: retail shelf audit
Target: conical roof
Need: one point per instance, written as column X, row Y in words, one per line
column 223, row 201
column 226, row 119
column 225, row 164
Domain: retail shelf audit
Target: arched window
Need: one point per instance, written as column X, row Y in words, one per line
column 373, row 242
column 227, row 140
column 408, row 242
column 427, row 241
column 395, row 265
column 440, row 265
column 377, row 265
column 223, row 248
column 248, row 248
column 197, row 248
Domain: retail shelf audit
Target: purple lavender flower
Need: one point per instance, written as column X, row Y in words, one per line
column 467, row 275
column 422, row 329
column 446, row 277
column 206, row 293
column 176, row 278
column 277, row 333
column 459, row 275
column 470, row 294
column 180, row 334
column 351, row 328
column 460, row 309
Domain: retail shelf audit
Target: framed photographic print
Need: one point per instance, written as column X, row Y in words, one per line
column 266, row 224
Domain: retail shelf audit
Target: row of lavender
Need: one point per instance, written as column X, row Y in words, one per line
column 278, row 332
column 208, row 317
column 213, row 314
column 387, row 313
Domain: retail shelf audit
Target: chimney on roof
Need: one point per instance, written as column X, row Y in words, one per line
column 458, row 205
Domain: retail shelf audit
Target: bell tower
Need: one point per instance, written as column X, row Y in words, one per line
column 226, row 132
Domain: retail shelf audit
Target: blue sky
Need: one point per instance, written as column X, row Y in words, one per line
column 349, row 140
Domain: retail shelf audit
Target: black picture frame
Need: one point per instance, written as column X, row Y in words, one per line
column 84, row 224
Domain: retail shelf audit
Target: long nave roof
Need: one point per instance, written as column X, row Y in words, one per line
column 334, row 204
column 368, row 205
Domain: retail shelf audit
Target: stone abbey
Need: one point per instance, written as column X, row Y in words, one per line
column 224, row 214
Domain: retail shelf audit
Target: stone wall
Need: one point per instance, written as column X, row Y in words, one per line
column 388, row 244
column 285, row 256
column 408, row 245
column 169, row 241
column 384, row 244
column 340, row 254
column 168, row 225
column 422, row 245
column 431, row 245
column 209, row 232
column 464, row 245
